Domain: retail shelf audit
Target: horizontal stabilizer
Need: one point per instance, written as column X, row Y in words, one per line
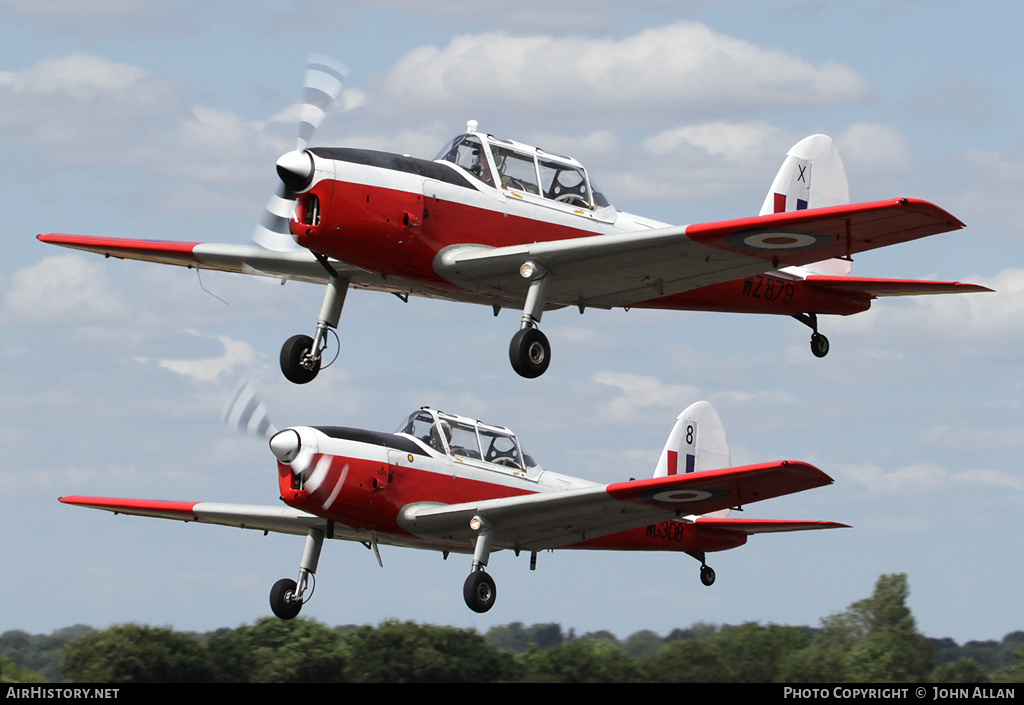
column 892, row 287
column 766, row 526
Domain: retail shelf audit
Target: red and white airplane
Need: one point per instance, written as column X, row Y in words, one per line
column 455, row 485
column 505, row 224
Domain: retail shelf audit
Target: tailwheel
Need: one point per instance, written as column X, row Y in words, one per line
column 819, row 345
column 479, row 591
column 283, row 600
column 299, row 363
column 707, row 575
column 529, row 352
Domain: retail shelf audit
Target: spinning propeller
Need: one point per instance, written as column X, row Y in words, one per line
column 246, row 412
column 324, row 80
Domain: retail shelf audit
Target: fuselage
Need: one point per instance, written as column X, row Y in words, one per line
column 394, row 214
column 363, row 480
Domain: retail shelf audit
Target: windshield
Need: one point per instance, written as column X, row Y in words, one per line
column 510, row 165
column 466, row 439
column 469, row 153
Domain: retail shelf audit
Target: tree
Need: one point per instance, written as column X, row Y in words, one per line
column 136, row 654
column 966, row 670
column 749, row 653
column 515, row 638
column 11, row 672
column 579, row 661
column 874, row 640
column 278, row 651
column 643, row 644
column 404, row 652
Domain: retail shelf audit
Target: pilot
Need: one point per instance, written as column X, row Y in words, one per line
column 435, row 437
column 479, row 169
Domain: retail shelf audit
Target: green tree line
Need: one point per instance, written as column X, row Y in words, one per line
column 874, row 640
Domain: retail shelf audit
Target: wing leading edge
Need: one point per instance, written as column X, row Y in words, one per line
column 246, row 516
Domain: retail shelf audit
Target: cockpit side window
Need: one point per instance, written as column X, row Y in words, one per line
column 463, row 440
column 500, row 448
column 564, row 183
column 516, row 170
column 467, row 152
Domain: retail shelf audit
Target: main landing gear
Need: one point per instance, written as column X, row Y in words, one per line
column 819, row 343
column 288, row 596
column 302, row 356
column 479, row 590
column 530, row 352
column 707, row 573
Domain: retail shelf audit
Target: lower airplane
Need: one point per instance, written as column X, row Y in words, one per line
column 455, row 485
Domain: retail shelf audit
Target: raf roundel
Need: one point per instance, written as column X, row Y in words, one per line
column 775, row 240
column 682, row 496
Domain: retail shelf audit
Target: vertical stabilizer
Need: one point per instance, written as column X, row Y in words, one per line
column 812, row 176
column 697, row 443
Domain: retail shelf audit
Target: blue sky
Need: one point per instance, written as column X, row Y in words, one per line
column 134, row 118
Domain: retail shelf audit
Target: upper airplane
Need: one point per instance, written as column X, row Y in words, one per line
column 505, row 224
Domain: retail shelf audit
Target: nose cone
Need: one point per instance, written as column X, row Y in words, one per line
column 286, row 445
column 296, row 170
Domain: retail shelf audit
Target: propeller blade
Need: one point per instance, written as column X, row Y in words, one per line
column 325, row 77
column 273, row 232
column 247, row 413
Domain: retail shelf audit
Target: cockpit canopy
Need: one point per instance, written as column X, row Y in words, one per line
column 466, row 438
column 511, row 165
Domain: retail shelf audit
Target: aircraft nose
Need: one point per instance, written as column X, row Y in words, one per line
column 286, row 445
column 296, row 170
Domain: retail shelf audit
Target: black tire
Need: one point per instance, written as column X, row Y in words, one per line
column 529, row 352
column 819, row 345
column 707, row 575
column 280, row 599
column 479, row 591
column 292, row 352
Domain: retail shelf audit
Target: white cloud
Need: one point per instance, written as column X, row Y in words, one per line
column 960, row 318
column 238, row 354
column 65, row 289
column 680, row 69
column 640, row 393
column 873, row 147
column 737, row 142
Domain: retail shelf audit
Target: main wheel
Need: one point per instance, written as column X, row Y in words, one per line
column 281, row 601
column 707, row 575
column 529, row 352
column 292, row 352
column 819, row 345
column 479, row 591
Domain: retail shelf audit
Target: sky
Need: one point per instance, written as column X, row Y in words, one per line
column 136, row 118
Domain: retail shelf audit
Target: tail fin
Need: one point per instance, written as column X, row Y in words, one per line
column 812, row 176
column 697, row 443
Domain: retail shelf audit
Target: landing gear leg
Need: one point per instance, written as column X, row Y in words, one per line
column 707, row 573
column 529, row 352
column 301, row 355
column 479, row 590
column 819, row 343
column 287, row 596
